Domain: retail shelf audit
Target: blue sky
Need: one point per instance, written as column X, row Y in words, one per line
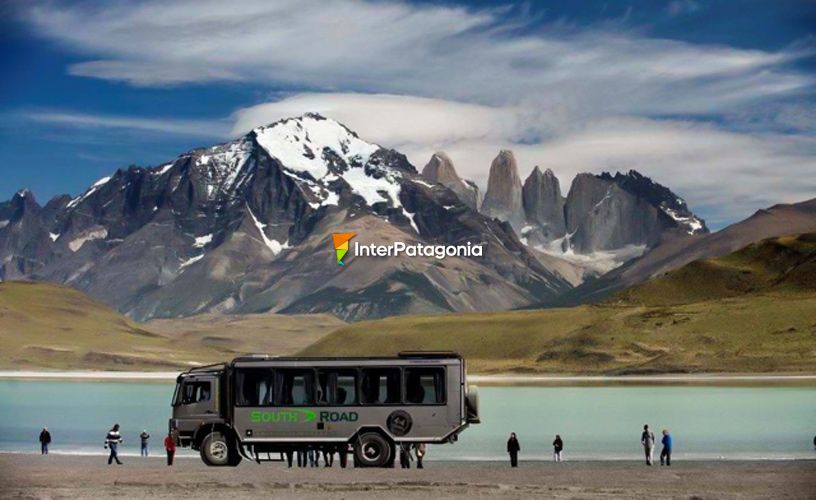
column 714, row 99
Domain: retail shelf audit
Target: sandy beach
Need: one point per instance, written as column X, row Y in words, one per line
column 33, row 476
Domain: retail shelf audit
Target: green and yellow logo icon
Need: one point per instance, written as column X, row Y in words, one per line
column 341, row 245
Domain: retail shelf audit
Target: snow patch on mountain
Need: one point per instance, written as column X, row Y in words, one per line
column 301, row 144
column 95, row 233
column 53, row 236
column 600, row 262
column 222, row 165
column 3, row 223
column 94, row 187
column 162, row 170
column 274, row 245
column 189, row 262
column 202, row 241
column 316, row 152
column 691, row 223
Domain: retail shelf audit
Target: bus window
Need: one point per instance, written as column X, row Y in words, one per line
column 425, row 386
column 337, row 387
column 295, row 387
column 195, row 392
column 254, row 387
column 380, row 386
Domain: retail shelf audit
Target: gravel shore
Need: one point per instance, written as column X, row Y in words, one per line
column 75, row 477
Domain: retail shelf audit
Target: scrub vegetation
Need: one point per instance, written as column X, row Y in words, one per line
column 52, row 326
column 751, row 311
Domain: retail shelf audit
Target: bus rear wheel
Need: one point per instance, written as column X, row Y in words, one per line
column 216, row 450
column 371, row 449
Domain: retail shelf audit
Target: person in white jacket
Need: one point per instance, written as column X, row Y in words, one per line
column 647, row 440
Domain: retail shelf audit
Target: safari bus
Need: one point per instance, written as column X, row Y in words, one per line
column 259, row 407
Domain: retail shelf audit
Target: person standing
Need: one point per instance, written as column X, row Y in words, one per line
column 513, row 448
column 314, row 457
column 289, row 455
column 144, row 436
column 342, row 450
column 419, row 449
column 45, row 440
column 647, row 440
column 558, row 447
column 112, row 441
column 328, row 456
column 301, row 458
column 170, row 447
column 405, row 456
column 665, row 453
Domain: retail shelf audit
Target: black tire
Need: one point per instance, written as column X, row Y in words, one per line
column 217, row 451
column 371, row 449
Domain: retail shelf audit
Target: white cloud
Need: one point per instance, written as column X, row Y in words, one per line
column 393, row 47
column 390, row 119
column 202, row 128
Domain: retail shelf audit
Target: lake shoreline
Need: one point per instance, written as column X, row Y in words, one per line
column 187, row 454
column 485, row 379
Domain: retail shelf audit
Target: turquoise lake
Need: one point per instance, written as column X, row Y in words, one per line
column 595, row 422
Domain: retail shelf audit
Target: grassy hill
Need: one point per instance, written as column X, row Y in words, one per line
column 750, row 311
column 240, row 334
column 56, row 327
column 774, row 266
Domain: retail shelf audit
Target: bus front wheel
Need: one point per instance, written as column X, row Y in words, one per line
column 216, row 450
column 371, row 449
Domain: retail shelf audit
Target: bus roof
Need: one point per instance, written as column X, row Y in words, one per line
column 248, row 358
column 401, row 355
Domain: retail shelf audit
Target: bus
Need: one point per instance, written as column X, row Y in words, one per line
column 260, row 406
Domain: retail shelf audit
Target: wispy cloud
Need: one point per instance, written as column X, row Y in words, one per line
column 429, row 50
column 195, row 128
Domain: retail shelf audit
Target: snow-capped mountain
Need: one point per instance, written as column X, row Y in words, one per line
column 246, row 226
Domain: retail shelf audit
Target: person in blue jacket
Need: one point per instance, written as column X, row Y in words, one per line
column 665, row 454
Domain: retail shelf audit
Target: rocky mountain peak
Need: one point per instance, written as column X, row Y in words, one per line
column 440, row 169
column 544, row 204
column 503, row 199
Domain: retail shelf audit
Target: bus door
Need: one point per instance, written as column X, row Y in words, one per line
column 198, row 398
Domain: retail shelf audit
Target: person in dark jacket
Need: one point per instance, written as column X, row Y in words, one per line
column 405, row 456
column 302, row 459
column 112, row 441
column 558, row 447
column 513, row 448
column 170, row 448
column 647, row 440
column 328, row 456
column 342, row 450
column 45, row 440
column 144, row 437
column 665, row 453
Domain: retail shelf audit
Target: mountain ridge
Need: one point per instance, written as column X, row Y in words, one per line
column 225, row 228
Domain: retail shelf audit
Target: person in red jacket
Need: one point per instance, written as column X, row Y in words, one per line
column 170, row 446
